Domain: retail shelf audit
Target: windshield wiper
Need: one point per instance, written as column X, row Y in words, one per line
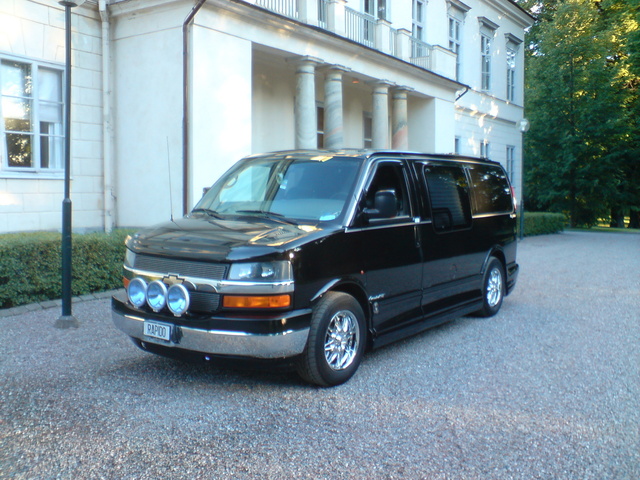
column 268, row 214
column 211, row 213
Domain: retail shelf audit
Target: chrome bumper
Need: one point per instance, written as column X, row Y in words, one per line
column 219, row 342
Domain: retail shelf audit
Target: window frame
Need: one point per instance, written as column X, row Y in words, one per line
column 455, row 41
column 485, row 62
column 463, row 193
column 36, row 133
column 408, row 192
column 511, row 73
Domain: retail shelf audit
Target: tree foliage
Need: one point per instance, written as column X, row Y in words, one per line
column 582, row 79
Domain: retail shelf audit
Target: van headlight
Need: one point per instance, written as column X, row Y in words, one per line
column 178, row 299
column 268, row 272
column 157, row 295
column 137, row 292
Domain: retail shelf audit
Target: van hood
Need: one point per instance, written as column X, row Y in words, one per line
column 201, row 237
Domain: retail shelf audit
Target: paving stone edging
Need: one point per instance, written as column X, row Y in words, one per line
column 44, row 305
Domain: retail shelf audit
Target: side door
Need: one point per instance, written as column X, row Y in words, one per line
column 446, row 234
column 388, row 248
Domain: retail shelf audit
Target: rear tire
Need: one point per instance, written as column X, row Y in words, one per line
column 493, row 288
column 337, row 337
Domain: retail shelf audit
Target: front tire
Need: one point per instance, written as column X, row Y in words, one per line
column 337, row 337
column 493, row 288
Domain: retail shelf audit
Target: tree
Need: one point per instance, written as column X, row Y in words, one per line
column 582, row 104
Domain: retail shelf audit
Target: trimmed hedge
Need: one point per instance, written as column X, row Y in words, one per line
column 543, row 223
column 30, row 265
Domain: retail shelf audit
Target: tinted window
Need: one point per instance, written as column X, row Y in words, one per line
column 449, row 195
column 390, row 176
column 490, row 189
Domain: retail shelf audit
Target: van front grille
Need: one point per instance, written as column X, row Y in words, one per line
column 182, row 268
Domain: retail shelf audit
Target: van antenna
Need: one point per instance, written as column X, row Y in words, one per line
column 170, row 189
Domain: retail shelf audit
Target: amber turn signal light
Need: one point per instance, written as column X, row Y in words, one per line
column 265, row 301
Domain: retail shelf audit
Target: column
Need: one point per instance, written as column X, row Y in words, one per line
column 380, row 120
column 400, row 119
column 306, row 122
column 333, row 115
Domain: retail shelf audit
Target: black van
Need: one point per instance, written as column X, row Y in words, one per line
column 315, row 256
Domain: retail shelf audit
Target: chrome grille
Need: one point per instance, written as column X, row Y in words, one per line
column 183, row 268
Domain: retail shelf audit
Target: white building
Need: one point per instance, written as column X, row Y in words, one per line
column 168, row 94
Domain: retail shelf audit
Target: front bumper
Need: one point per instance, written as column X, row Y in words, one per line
column 247, row 339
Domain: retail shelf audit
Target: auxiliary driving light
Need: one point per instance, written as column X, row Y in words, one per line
column 137, row 292
column 157, row 295
column 178, row 299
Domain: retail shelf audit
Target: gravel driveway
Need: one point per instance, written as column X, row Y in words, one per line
column 549, row 389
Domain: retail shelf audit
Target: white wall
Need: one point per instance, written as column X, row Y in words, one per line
column 148, row 108
column 221, row 125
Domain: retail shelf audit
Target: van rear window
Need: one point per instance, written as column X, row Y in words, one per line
column 490, row 190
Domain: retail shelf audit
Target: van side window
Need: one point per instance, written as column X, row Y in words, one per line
column 390, row 176
column 491, row 190
column 449, row 195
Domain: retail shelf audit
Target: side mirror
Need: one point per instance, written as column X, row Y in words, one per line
column 385, row 205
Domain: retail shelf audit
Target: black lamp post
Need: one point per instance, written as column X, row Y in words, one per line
column 67, row 320
column 523, row 127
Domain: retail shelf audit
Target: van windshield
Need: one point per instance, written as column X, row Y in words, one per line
column 302, row 189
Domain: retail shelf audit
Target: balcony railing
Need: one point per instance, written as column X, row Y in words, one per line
column 420, row 53
column 360, row 27
column 288, row 8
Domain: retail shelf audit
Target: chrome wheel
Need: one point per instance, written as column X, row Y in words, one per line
column 494, row 288
column 337, row 337
column 342, row 340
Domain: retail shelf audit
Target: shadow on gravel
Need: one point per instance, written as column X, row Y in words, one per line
column 147, row 370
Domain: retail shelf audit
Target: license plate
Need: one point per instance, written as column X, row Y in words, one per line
column 157, row 330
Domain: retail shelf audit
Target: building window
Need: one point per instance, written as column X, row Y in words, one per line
column 376, row 8
column 511, row 156
column 418, row 25
column 512, row 44
column 484, row 149
column 511, row 74
column 455, row 27
column 457, row 143
column 31, row 111
column 487, row 32
column 367, row 133
column 485, row 52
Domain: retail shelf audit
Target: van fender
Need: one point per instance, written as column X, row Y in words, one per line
column 351, row 286
column 497, row 252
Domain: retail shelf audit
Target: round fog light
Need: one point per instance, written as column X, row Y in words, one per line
column 178, row 299
column 137, row 292
column 157, row 295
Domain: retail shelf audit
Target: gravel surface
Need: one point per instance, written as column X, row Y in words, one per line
column 548, row 389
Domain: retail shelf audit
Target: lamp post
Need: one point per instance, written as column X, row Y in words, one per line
column 523, row 127
column 67, row 320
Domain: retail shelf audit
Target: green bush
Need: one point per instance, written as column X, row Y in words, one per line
column 543, row 223
column 30, row 265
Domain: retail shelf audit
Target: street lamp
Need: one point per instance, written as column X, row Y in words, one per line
column 67, row 320
column 523, row 127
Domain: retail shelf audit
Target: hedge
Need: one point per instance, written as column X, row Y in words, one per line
column 543, row 223
column 30, row 265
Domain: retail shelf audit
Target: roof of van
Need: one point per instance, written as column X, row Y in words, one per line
column 368, row 153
